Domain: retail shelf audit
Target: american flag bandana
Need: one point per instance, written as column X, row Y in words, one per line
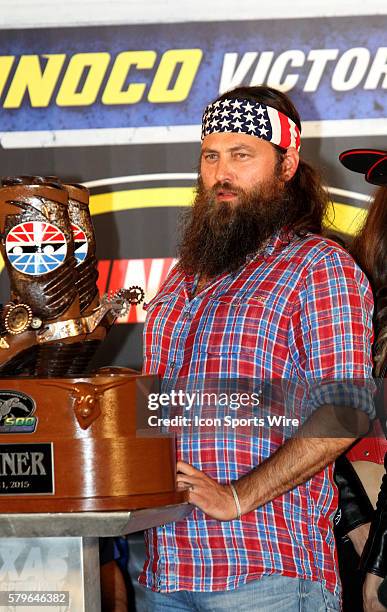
column 239, row 115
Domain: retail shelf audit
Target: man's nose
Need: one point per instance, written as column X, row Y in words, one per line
column 224, row 171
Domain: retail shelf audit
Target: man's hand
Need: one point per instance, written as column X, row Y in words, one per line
column 213, row 498
column 371, row 602
column 359, row 537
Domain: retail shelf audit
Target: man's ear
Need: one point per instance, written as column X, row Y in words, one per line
column 290, row 163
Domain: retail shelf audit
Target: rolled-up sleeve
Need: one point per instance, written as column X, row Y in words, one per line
column 331, row 334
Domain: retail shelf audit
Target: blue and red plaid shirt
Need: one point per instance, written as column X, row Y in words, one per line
column 301, row 309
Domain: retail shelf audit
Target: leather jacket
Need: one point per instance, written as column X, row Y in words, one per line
column 374, row 557
column 353, row 508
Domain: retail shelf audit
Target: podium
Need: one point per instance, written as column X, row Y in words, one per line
column 74, row 468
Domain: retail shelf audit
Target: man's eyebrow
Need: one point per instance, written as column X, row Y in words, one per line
column 236, row 147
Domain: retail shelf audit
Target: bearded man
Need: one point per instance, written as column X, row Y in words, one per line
column 257, row 294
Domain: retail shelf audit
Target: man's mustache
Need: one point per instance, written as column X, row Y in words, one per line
column 222, row 186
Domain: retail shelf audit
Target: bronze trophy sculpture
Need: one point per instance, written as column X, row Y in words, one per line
column 48, row 246
column 68, row 441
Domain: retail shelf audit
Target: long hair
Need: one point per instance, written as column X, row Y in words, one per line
column 369, row 246
column 309, row 198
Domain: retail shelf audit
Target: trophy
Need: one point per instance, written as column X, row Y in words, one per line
column 70, row 461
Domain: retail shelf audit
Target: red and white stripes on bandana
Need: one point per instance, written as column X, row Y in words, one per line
column 238, row 115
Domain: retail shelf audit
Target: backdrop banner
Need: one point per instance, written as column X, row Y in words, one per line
column 119, row 108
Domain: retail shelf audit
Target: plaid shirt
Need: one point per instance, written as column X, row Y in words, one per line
column 300, row 309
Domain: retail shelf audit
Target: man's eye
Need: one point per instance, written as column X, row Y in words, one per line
column 210, row 156
column 242, row 155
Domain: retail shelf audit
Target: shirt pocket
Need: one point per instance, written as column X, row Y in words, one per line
column 236, row 324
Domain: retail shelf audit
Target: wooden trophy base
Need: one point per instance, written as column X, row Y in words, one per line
column 70, row 445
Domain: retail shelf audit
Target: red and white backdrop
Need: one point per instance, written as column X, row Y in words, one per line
column 112, row 97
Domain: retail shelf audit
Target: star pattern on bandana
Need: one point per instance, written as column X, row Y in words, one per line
column 240, row 115
column 237, row 116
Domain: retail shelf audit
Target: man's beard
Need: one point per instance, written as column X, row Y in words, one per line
column 219, row 236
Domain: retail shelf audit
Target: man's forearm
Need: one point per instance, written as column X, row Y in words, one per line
column 295, row 462
column 323, row 437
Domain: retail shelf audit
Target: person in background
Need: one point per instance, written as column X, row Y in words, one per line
column 114, row 596
column 358, row 488
column 257, row 294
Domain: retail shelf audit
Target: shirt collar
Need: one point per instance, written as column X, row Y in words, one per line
column 280, row 239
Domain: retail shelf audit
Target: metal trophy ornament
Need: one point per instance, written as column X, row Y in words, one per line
column 54, row 320
column 68, row 438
